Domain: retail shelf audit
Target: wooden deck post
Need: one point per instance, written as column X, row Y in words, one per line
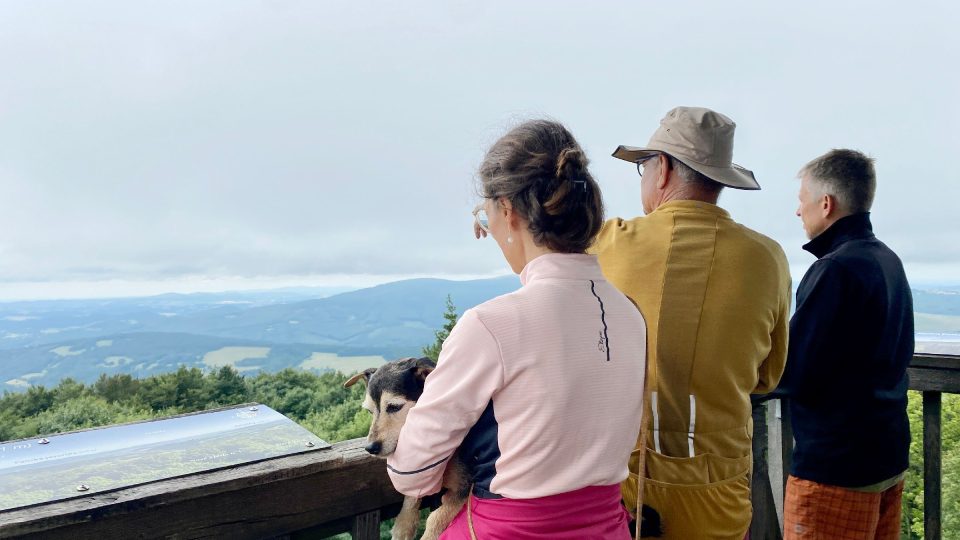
column 931, row 465
column 786, row 446
column 366, row 526
column 765, row 524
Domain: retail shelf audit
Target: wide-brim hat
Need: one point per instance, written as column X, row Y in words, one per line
column 702, row 139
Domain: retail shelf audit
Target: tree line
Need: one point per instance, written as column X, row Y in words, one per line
column 317, row 401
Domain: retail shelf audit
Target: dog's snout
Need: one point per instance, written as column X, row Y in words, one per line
column 375, row 447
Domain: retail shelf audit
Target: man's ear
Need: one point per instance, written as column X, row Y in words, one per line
column 365, row 375
column 828, row 205
column 663, row 171
column 422, row 367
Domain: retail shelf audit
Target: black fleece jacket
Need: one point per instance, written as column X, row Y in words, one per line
column 851, row 339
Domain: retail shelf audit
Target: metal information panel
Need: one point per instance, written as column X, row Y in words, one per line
column 35, row 471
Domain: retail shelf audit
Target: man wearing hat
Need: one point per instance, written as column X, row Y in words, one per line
column 716, row 298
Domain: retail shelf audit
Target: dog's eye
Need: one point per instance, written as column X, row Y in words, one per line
column 393, row 407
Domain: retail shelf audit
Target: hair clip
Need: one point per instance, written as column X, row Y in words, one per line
column 582, row 184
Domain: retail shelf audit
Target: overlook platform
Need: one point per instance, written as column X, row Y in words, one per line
column 344, row 489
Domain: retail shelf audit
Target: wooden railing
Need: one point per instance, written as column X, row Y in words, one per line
column 343, row 489
column 930, row 374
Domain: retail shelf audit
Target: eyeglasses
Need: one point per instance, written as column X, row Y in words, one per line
column 643, row 160
column 480, row 218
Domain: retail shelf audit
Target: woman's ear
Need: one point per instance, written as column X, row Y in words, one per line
column 506, row 208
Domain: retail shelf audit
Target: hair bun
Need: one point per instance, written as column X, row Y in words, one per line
column 571, row 157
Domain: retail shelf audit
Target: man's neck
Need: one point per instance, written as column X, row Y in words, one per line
column 688, row 193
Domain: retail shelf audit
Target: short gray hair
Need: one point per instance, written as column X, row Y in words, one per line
column 847, row 175
column 691, row 176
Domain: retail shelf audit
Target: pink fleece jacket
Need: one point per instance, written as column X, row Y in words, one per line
column 545, row 384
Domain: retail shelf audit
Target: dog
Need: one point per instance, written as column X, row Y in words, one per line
column 392, row 389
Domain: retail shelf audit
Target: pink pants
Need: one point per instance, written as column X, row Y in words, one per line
column 593, row 513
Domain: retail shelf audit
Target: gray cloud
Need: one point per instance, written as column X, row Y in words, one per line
column 156, row 140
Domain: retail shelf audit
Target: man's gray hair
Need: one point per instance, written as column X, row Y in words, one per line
column 847, row 175
column 690, row 176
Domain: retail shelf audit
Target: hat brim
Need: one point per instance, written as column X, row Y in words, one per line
column 734, row 176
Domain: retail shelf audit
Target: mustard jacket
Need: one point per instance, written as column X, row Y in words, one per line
column 716, row 298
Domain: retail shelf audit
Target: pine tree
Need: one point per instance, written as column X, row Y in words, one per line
column 432, row 351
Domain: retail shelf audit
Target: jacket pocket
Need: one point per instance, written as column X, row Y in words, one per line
column 705, row 496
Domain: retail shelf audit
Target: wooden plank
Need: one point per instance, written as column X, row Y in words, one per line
column 366, row 526
column 938, row 361
column 931, row 466
column 934, row 379
column 342, row 525
column 786, row 445
column 265, row 499
column 774, row 457
column 764, row 525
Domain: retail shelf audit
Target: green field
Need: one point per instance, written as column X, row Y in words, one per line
column 343, row 364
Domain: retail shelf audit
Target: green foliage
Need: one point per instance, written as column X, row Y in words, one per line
column 37, row 399
column 68, row 389
column 432, row 351
column 912, row 506
column 87, row 411
column 319, row 402
column 340, row 422
column 227, row 386
column 116, row 387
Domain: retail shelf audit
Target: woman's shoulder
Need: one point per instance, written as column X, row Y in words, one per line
column 498, row 305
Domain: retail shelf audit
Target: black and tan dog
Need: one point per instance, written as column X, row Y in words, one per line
column 392, row 389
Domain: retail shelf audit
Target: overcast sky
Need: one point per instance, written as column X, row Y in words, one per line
column 177, row 146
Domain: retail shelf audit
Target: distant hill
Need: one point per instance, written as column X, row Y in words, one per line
column 42, row 342
column 937, row 301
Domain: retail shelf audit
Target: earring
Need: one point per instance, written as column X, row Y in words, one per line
column 509, row 239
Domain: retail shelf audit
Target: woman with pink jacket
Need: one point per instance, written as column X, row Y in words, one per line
column 540, row 389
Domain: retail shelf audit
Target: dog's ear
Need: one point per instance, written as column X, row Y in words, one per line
column 365, row 375
column 422, row 367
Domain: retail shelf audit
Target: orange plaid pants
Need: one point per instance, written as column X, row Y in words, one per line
column 814, row 511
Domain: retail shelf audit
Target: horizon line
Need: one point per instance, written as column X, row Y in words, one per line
column 115, row 289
